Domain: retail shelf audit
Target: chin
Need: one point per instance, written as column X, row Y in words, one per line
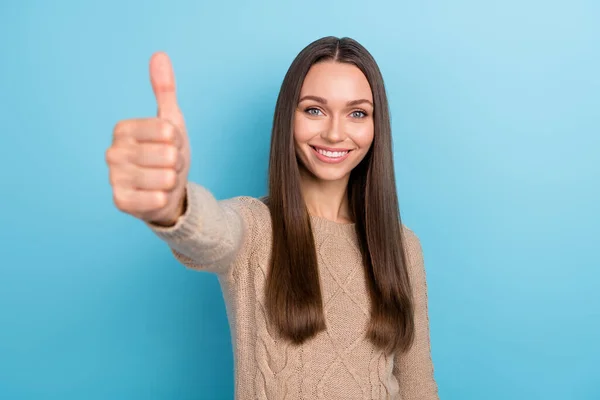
column 328, row 173
column 329, row 176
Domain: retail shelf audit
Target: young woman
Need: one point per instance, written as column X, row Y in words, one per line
column 325, row 287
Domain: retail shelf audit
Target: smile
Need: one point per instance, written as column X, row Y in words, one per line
column 330, row 156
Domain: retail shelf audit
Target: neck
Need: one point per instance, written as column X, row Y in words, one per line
column 326, row 199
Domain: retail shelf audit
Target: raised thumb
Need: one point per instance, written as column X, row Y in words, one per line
column 162, row 79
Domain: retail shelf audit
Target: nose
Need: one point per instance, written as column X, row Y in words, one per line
column 334, row 133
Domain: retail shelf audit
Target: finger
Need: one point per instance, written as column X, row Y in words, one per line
column 148, row 130
column 162, row 79
column 122, row 133
column 180, row 163
column 139, row 201
column 155, row 179
column 117, row 155
column 117, row 179
column 157, row 155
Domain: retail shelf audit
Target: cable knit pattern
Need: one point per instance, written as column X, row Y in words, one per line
column 232, row 238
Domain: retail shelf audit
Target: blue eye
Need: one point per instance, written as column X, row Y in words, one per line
column 313, row 111
column 358, row 114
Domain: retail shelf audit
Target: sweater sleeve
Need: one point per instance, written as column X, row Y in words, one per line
column 210, row 233
column 414, row 369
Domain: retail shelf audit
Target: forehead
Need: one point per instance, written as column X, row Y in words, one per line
column 334, row 80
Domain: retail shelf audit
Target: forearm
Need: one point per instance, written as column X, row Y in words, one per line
column 207, row 235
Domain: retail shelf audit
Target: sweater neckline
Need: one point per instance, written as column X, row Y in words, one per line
column 324, row 224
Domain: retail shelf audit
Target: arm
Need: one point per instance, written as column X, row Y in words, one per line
column 208, row 235
column 149, row 161
column 414, row 369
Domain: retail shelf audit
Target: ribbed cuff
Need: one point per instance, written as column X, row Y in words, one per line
column 189, row 222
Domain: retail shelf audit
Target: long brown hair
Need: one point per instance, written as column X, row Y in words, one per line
column 293, row 293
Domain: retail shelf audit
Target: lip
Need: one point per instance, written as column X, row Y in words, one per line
column 329, row 160
column 328, row 148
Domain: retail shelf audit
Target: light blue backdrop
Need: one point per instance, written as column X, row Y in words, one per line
column 495, row 109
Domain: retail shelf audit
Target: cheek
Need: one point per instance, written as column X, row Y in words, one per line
column 300, row 129
column 363, row 135
column 305, row 128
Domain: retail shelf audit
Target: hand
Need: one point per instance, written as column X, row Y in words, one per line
column 149, row 158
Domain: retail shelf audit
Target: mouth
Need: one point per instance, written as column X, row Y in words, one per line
column 331, row 155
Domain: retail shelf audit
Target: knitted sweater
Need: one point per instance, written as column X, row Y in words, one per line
column 232, row 238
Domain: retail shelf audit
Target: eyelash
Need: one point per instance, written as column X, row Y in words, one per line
column 364, row 113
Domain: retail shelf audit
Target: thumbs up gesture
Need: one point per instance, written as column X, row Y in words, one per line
column 149, row 158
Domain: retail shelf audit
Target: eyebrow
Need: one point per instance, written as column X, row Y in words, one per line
column 324, row 101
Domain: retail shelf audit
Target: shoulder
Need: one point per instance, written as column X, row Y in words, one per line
column 252, row 210
column 411, row 240
column 414, row 252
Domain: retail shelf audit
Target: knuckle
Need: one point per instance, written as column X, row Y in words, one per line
column 161, row 199
column 120, row 201
column 170, row 155
column 119, row 126
column 170, row 179
column 167, row 131
column 110, row 155
column 119, row 137
column 117, row 155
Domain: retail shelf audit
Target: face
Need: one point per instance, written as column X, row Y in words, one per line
column 333, row 122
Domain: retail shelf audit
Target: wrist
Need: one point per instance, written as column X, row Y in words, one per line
column 180, row 210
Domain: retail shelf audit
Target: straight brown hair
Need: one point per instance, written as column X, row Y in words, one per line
column 293, row 293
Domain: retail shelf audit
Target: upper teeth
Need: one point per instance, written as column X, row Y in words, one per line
column 332, row 153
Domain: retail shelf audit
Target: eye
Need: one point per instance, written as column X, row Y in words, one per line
column 358, row 114
column 313, row 111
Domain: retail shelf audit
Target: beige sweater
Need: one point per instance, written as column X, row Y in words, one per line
column 232, row 238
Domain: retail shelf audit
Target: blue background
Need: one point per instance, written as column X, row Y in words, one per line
column 495, row 111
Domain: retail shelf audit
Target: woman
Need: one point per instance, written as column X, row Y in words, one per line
column 325, row 287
